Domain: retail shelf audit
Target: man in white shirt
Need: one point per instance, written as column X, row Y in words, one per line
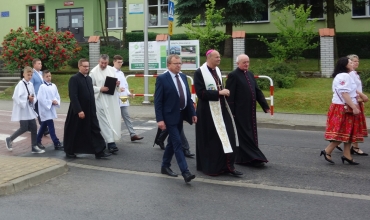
column 124, row 91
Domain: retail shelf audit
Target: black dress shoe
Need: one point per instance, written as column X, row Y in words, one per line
column 112, row 149
column 59, row 146
column 188, row 154
column 168, row 171
column 236, row 173
column 71, row 155
column 102, row 155
column 161, row 144
column 188, row 177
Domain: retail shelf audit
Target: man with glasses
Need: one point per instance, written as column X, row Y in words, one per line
column 81, row 129
column 124, row 91
column 173, row 105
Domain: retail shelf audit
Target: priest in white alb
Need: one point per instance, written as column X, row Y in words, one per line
column 107, row 106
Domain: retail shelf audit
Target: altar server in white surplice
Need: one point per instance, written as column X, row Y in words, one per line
column 107, row 106
column 48, row 99
column 24, row 100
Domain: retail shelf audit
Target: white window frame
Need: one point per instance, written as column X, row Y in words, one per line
column 37, row 12
column 116, row 13
column 159, row 14
column 367, row 11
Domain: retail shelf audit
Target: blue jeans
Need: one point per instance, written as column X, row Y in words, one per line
column 44, row 125
column 174, row 146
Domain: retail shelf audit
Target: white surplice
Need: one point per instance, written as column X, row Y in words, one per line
column 45, row 97
column 107, row 107
column 22, row 108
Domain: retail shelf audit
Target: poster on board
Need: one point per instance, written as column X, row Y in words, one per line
column 188, row 50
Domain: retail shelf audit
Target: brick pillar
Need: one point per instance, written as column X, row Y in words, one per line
column 94, row 51
column 161, row 37
column 238, row 45
column 326, row 51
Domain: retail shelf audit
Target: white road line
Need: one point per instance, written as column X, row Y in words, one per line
column 3, row 136
column 143, row 128
column 229, row 183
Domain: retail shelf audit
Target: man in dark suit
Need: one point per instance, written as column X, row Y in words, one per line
column 173, row 105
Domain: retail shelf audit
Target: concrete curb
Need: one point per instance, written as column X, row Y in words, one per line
column 32, row 179
column 291, row 127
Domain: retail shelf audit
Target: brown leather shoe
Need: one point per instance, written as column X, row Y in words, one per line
column 135, row 138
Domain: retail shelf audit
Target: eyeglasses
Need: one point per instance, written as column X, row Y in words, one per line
column 120, row 62
column 177, row 63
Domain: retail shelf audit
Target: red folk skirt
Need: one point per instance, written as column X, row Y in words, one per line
column 363, row 119
column 342, row 127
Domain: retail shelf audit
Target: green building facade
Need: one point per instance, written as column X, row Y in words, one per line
column 83, row 17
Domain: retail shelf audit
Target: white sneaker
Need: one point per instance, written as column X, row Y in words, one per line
column 37, row 150
column 8, row 144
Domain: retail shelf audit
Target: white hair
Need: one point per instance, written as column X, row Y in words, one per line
column 237, row 58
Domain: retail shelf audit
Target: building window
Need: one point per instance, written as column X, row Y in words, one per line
column 360, row 9
column 317, row 8
column 115, row 14
column 261, row 16
column 158, row 13
column 36, row 16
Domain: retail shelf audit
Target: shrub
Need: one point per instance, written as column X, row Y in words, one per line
column 54, row 49
column 365, row 78
column 284, row 75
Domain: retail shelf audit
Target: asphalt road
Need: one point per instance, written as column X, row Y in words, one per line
column 296, row 184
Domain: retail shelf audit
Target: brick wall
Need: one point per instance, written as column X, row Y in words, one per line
column 238, row 48
column 327, row 56
column 94, row 54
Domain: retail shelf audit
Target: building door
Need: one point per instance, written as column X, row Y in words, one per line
column 71, row 20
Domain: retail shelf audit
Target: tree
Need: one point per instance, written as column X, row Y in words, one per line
column 294, row 36
column 235, row 13
column 208, row 36
column 331, row 9
column 54, row 49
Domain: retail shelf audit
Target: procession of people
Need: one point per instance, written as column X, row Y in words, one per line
column 224, row 114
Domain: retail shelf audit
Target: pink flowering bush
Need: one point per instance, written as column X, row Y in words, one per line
column 54, row 49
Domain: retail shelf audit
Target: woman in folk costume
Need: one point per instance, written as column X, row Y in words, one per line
column 215, row 134
column 342, row 126
column 361, row 99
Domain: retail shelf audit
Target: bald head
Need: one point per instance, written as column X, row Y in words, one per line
column 242, row 61
column 213, row 59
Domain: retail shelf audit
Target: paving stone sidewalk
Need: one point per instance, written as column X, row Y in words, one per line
column 18, row 173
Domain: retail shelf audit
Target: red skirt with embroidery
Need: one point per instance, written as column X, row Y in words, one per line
column 363, row 120
column 342, row 127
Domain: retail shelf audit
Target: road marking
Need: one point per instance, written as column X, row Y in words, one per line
column 229, row 183
column 3, row 136
column 143, row 128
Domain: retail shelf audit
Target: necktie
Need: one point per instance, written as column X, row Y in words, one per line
column 181, row 92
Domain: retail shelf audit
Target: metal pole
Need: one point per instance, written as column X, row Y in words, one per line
column 169, row 45
column 146, row 58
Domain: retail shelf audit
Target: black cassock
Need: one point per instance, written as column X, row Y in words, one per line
column 244, row 93
column 82, row 135
column 210, row 156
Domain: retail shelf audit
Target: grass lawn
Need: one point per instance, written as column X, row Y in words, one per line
column 309, row 96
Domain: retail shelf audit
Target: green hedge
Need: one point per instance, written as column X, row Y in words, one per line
column 347, row 43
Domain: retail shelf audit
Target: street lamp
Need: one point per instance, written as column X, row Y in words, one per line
column 146, row 58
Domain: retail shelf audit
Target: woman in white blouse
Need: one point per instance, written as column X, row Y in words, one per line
column 341, row 126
